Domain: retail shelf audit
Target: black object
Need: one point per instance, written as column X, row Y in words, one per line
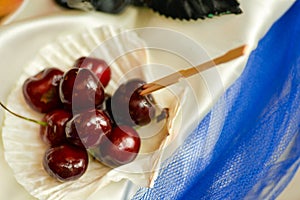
column 194, row 9
column 176, row 9
column 110, row 6
column 63, row 3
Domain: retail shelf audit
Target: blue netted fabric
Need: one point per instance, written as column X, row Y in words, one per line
column 248, row 146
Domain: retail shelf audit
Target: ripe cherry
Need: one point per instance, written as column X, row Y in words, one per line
column 41, row 90
column 65, row 162
column 87, row 128
column 81, row 90
column 98, row 66
column 54, row 133
column 131, row 108
column 119, row 147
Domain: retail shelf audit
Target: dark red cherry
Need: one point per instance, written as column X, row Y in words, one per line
column 87, row 128
column 119, row 147
column 54, row 133
column 41, row 90
column 131, row 108
column 81, row 90
column 98, row 66
column 65, row 162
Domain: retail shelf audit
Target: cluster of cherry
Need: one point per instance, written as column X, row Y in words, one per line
column 80, row 119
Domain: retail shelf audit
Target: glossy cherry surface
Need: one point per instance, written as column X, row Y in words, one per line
column 98, row 66
column 54, row 133
column 131, row 108
column 65, row 162
column 80, row 90
column 41, row 90
column 119, row 147
column 87, row 128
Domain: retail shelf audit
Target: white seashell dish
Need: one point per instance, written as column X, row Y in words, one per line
column 127, row 55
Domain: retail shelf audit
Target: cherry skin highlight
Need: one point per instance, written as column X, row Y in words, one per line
column 96, row 65
column 81, row 90
column 131, row 108
column 87, row 128
column 65, row 162
column 119, row 147
column 41, row 90
column 54, row 133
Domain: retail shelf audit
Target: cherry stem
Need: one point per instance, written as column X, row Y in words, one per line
column 22, row 117
column 163, row 115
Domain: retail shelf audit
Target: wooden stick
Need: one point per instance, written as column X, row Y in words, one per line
column 175, row 77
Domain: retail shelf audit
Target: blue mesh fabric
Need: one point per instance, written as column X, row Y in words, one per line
column 248, row 146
